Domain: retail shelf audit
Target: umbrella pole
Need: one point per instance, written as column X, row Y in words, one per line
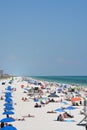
column 7, row 115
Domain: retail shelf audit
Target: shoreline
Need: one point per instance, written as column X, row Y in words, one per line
column 41, row 78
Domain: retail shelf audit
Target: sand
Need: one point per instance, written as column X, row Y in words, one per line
column 42, row 119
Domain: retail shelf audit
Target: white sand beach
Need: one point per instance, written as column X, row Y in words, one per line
column 41, row 119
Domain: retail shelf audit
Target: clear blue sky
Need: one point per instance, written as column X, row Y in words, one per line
column 43, row 37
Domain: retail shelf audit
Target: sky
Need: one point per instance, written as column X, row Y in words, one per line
column 43, row 37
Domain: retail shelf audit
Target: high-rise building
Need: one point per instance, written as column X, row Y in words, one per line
column 1, row 73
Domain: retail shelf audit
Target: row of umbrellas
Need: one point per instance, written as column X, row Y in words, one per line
column 8, row 109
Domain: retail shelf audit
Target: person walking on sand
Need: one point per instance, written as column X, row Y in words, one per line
column 86, row 126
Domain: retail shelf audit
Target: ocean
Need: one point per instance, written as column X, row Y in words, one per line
column 80, row 80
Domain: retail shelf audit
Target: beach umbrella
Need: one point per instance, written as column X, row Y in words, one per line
column 70, row 108
column 75, row 99
column 53, row 95
column 59, row 90
column 9, row 127
column 8, row 112
column 8, row 108
column 7, row 119
column 65, row 86
column 9, row 88
column 8, row 100
column 64, row 102
column 59, row 110
column 36, row 100
column 8, row 104
column 8, row 95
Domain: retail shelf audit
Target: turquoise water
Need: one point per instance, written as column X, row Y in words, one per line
column 80, row 80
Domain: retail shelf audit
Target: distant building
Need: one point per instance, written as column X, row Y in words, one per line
column 1, row 73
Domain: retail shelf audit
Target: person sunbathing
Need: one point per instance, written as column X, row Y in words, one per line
column 60, row 117
column 21, row 119
column 29, row 115
column 67, row 115
column 51, row 111
column 37, row 105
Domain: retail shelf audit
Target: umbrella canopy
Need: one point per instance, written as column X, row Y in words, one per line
column 8, row 104
column 9, row 127
column 59, row 90
column 64, row 102
column 8, row 108
column 53, row 95
column 8, row 100
column 70, row 108
column 36, row 100
column 7, row 119
column 59, row 110
column 75, row 99
column 8, row 95
column 8, row 113
column 9, row 88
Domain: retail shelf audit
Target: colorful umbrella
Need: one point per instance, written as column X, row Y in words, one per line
column 75, row 99
column 59, row 110
column 8, row 113
column 8, row 104
column 7, row 119
column 8, row 108
column 70, row 108
column 9, row 127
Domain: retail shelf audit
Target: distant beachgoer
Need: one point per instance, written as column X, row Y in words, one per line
column 2, row 124
column 60, row 118
column 86, row 126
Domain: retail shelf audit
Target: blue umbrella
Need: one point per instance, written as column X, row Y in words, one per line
column 36, row 100
column 59, row 89
column 59, row 110
column 8, row 104
column 70, row 108
column 8, row 95
column 8, row 113
column 64, row 103
column 7, row 119
column 8, row 100
column 9, row 88
column 9, row 127
column 8, row 108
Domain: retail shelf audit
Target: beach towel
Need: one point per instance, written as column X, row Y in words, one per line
column 69, row 121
